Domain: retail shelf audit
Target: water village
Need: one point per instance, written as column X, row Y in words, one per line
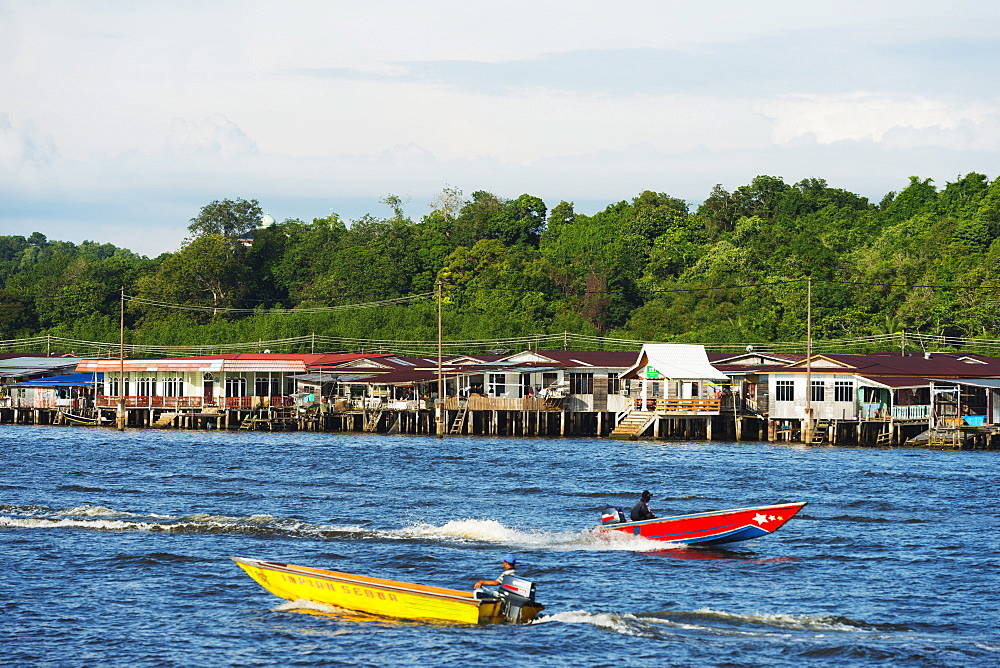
column 665, row 391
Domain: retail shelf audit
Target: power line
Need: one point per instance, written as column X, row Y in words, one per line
column 542, row 341
column 298, row 310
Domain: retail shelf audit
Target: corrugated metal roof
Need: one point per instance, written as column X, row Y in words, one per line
column 204, row 365
column 67, row 380
column 273, row 366
column 897, row 382
column 993, row 383
column 37, row 363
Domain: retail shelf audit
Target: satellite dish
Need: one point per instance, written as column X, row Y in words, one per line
column 749, row 348
column 267, row 351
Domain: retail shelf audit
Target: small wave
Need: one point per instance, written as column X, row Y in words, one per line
column 95, row 525
column 95, row 511
column 856, row 518
column 24, row 510
column 80, row 488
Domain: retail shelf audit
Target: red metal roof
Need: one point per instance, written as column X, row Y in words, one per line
column 579, row 358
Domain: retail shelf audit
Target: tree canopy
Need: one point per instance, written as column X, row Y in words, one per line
column 924, row 259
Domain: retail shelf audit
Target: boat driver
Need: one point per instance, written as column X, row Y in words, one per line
column 640, row 511
column 509, row 564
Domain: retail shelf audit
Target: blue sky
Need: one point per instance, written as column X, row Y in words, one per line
column 118, row 120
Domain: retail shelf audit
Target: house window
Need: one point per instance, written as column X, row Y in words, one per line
column 843, row 390
column 818, row 391
column 614, row 383
column 236, row 387
column 498, row 384
column 550, row 379
column 173, row 387
column 784, row 390
column 526, row 385
column 145, row 387
column 581, row 383
column 266, row 387
column 871, row 395
column 111, row 386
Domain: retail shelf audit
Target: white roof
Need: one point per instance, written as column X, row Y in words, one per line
column 676, row 360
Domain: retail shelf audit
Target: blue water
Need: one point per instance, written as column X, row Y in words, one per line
column 114, row 550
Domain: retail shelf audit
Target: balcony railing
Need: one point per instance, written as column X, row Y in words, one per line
column 194, row 402
column 696, row 405
column 479, row 403
column 872, row 411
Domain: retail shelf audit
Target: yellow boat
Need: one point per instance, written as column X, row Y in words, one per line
column 513, row 602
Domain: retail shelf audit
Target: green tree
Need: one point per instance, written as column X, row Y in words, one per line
column 227, row 218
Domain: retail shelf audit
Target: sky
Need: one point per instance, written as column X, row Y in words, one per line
column 120, row 120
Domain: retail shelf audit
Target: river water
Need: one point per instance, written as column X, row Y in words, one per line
column 114, row 550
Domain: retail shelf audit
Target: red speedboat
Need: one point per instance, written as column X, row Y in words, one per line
column 718, row 527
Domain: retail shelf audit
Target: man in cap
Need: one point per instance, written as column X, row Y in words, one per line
column 640, row 511
column 509, row 563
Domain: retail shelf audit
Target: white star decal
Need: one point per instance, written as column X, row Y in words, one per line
column 760, row 519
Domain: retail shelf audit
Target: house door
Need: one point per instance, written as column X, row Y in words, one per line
column 209, row 392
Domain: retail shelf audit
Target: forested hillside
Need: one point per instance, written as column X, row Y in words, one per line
column 730, row 270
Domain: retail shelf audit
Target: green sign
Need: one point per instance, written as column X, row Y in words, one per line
column 652, row 373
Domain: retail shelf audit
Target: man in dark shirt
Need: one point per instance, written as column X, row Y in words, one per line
column 640, row 511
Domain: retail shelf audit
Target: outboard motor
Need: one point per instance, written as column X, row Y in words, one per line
column 517, row 594
column 612, row 515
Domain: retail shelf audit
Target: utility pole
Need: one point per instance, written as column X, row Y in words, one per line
column 440, row 400
column 120, row 416
column 807, row 424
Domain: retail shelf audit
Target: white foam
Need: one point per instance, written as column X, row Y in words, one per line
column 96, row 525
column 626, row 624
column 95, row 511
column 492, row 531
column 784, row 620
column 302, row 604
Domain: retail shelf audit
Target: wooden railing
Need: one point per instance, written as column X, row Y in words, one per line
column 661, row 405
column 194, row 402
column 479, row 403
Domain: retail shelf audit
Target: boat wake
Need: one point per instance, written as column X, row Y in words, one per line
column 492, row 531
column 463, row 531
column 102, row 518
column 716, row 623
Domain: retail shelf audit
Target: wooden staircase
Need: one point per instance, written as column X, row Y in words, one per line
column 459, row 422
column 945, row 437
column 633, row 425
column 821, row 431
column 372, row 423
column 165, row 420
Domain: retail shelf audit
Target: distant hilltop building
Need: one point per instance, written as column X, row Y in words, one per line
column 266, row 221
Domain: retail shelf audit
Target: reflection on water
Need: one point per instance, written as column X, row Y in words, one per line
column 714, row 554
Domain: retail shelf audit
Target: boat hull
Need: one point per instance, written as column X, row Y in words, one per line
column 389, row 598
column 719, row 527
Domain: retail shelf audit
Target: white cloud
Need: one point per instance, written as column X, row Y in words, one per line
column 910, row 119
column 130, row 116
column 216, row 135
